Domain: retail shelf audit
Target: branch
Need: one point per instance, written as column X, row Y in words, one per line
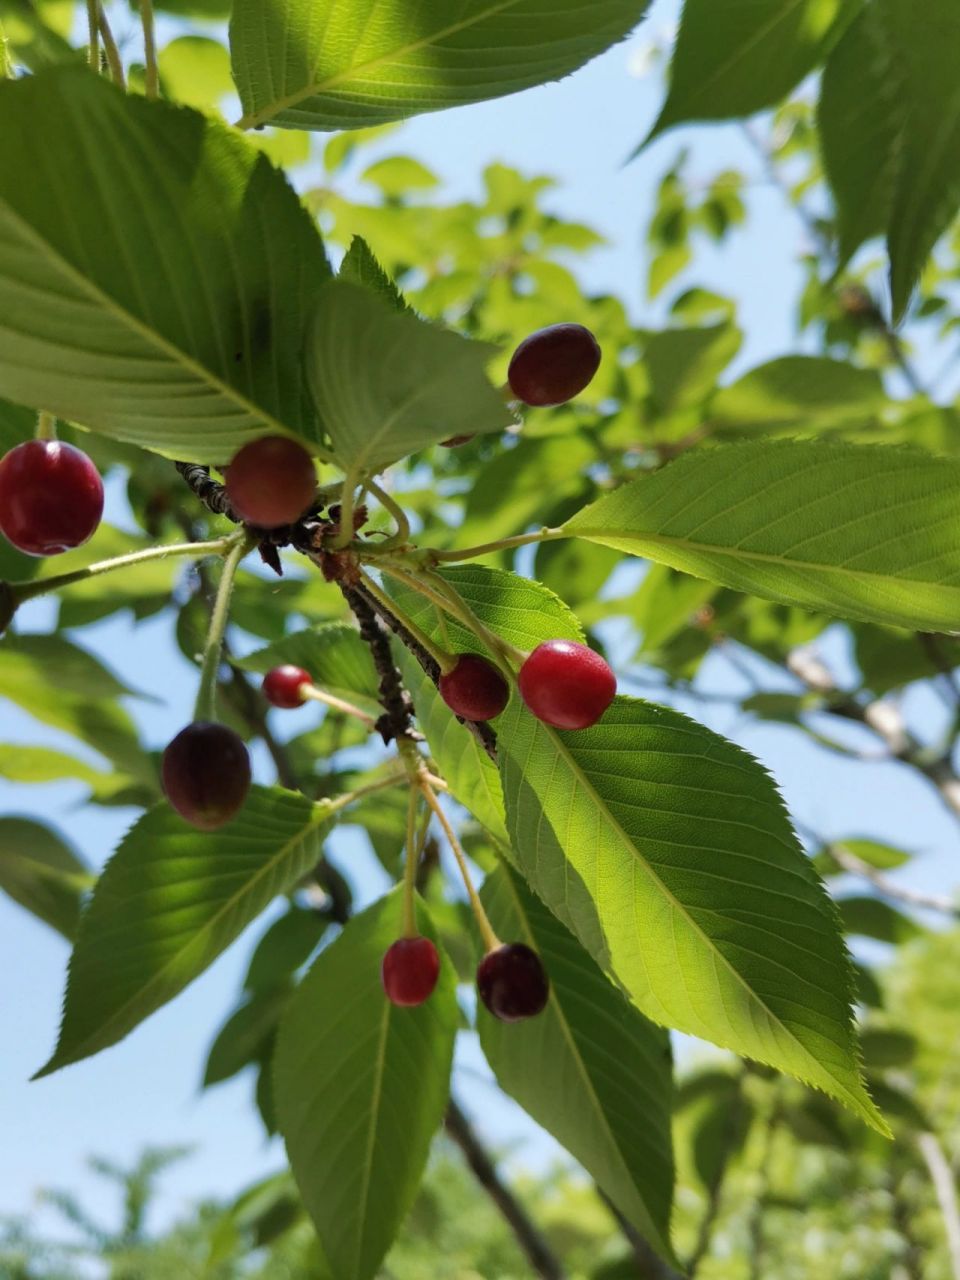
column 531, row 1241
column 946, row 1191
column 650, row 1265
column 913, row 897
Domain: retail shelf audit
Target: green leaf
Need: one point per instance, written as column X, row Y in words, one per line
column 41, row 872
column 320, row 65
column 358, row 1163
column 245, row 1037
column 337, row 659
column 857, row 124
column 397, row 175
column 168, row 308
column 874, row 918
column 32, row 41
column 871, row 534
column 284, row 947
column 924, row 57
column 885, row 1047
column 799, row 393
column 668, row 852
column 882, row 856
column 735, row 57
column 359, row 266
column 590, row 1069
column 170, row 900
column 387, row 385
column 21, row 763
column 683, row 364
column 196, row 71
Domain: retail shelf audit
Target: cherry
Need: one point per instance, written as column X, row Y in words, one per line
column 282, row 686
column 409, row 971
column 554, row 364
column 206, row 774
column 512, row 982
column 566, row 685
column 474, row 689
column 271, row 482
column 51, row 497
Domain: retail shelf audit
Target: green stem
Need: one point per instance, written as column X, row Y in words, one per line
column 206, row 707
column 46, row 426
column 402, row 534
column 501, row 544
column 410, row 869
column 337, row 704
column 114, row 61
column 27, row 590
column 490, row 940
column 347, row 491
column 349, row 797
column 93, row 29
column 152, row 73
column 445, row 661
column 6, row 62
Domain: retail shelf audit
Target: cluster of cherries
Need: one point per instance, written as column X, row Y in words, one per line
column 51, row 501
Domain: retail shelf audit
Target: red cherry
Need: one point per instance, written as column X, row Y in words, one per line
column 553, row 365
column 474, row 689
column 282, row 686
column 410, row 970
column 206, row 774
column 271, row 482
column 512, row 982
column 567, row 685
column 51, row 497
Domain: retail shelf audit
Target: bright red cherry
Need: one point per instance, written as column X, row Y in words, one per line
column 271, row 482
column 553, row 365
column 410, row 970
column 512, row 982
column 51, row 497
column 206, row 774
column 474, row 689
column 282, row 686
column 566, row 685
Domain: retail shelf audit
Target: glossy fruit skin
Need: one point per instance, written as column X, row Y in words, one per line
column 271, row 482
column 566, row 685
column 281, row 686
column 409, row 973
column 51, row 497
column 553, row 365
column 474, row 689
column 206, row 774
column 512, row 982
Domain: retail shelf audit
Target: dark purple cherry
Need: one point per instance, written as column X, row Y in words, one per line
column 282, row 686
column 51, row 497
column 553, row 365
column 206, row 774
column 410, row 969
column 512, row 982
column 474, row 689
column 271, row 482
column 566, row 684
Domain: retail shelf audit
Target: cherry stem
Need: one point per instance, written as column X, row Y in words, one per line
column 6, row 62
column 402, row 534
column 338, row 704
column 410, row 868
column 93, row 28
column 22, row 591
column 347, row 492
column 431, row 556
column 206, row 705
column 399, row 778
column 490, row 940
column 110, row 49
column 46, row 426
column 151, row 71
column 445, row 661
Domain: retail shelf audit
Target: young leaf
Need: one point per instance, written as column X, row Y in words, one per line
column 246, row 1035
column 924, row 57
column 359, row 266
column 360, row 1087
column 41, row 872
column 387, row 384
column 170, row 900
column 335, row 656
column 668, row 852
column 735, row 57
column 590, row 1069
column 284, row 947
column 871, row 534
column 323, row 65
column 168, row 308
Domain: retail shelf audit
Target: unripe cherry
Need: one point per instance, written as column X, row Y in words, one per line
column 271, row 482
column 282, row 686
column 474, row 689
column 566, row 684
column 206, row 774
column 51, row 497
column 410, row 969
column 554, row 364
column 512, row 982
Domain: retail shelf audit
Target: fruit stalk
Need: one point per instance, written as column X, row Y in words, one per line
column 151, row 71
column 490, row 940
column 206, row 707
column 445, row 661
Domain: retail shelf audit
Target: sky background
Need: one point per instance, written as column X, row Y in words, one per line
column 146, row 1090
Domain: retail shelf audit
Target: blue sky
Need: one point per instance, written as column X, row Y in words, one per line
column 145, row 1090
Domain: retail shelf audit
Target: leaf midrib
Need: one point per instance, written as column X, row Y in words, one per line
column 59, row 264
column 318, row 818
column 379, row 1068
column 860, row 1105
